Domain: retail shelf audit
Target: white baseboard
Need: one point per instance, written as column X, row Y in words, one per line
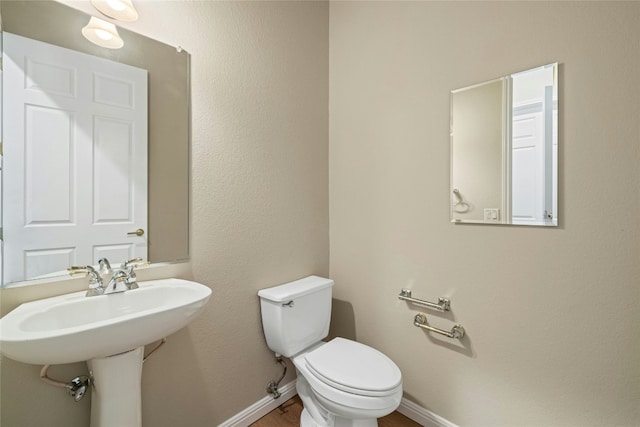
column 261, row 408
column 253, row 413
column 422, row 416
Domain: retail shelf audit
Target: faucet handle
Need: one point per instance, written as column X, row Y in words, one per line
column 87, row 270
column 95, row 280
column 135, row 262
column 76, row 270
column 129, row 266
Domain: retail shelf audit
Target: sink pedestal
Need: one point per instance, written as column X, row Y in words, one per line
column 116, row 395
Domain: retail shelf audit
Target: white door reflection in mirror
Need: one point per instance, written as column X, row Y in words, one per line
column 534, row 147
column 504, row 150
column 75, row 159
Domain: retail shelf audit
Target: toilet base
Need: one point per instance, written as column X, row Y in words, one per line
column 344, row 422
column 307, row 421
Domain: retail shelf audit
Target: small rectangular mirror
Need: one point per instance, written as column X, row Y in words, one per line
column 504, row 150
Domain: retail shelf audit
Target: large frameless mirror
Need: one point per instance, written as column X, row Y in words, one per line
column 95, row 145
column 504, row 150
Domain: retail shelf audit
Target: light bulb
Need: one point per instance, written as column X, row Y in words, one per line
column 102, row 33
column 122, row 10
column 116, row 5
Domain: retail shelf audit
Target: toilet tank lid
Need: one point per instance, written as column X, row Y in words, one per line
column 295, row 289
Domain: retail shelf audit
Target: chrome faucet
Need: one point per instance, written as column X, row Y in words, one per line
column 131, row 282
column 123, row 279
column 117, row 283
column 95, row 280
column 129, row 266
column 104, row 267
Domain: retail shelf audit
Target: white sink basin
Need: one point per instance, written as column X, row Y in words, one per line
column 74, row 328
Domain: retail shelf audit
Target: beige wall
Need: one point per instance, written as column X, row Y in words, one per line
column 551, row 313
column 259, row 209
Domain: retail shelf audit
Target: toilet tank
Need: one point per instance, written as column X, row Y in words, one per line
column 296, row 315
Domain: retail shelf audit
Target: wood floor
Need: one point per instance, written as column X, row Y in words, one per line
column 288, row 414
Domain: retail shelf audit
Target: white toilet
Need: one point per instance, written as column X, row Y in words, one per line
column 341, row 382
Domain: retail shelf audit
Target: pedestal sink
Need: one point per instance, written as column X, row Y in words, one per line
column 107, row 331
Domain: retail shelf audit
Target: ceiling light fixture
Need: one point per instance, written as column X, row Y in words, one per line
column 121, row 10
column 102, row 33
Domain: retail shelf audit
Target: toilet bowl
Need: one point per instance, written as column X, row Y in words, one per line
column 341, row 383
column 352, row 382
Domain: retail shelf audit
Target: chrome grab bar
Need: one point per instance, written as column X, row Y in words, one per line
column 421, row 321
column 443, row 304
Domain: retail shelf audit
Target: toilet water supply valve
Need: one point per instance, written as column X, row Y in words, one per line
column 272, row 387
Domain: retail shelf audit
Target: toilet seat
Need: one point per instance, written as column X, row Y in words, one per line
column 354, row 368
column 351, row 402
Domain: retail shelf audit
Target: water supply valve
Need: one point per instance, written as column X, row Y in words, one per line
column 77, row 387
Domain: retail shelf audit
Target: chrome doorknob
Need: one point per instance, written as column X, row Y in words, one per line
column 139, row 232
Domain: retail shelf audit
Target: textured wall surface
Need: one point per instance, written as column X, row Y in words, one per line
column 259, row 207
column 551, row 313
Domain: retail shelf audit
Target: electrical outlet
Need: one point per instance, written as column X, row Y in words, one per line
column 492, row 214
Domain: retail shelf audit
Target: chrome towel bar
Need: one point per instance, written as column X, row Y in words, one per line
column 443, row 304
column 421, row 321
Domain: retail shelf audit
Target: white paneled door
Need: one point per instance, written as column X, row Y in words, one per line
column 534, row 151
column 75, row 159
column 528, row 176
